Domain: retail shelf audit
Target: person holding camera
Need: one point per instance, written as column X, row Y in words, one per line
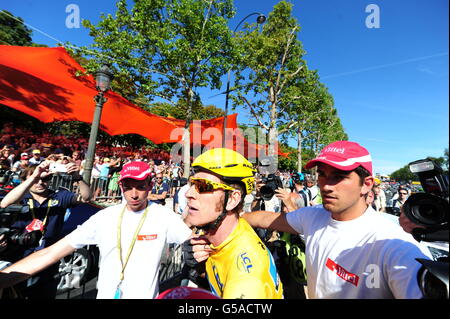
column 351, row 251
column 398, row 202
column 238, row 265
column 267, row 197
column 46, row 214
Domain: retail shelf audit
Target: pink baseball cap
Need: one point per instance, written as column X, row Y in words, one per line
column 135, row 170
column 343, row 155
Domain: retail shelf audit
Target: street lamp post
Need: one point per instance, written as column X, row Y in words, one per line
column 260, row 20
column 103, row 79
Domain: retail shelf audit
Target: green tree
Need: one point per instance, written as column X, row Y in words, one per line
column 403, row 175
column 169, row 48
column 199, row 112
column 13, row 30
column 270, row 67
column 446, row 160
column 312, row 112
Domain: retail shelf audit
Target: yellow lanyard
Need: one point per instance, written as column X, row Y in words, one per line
column 157, row 188
column 119, row 240
column 49, row 205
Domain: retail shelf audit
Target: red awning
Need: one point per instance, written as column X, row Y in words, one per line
column 42, row 83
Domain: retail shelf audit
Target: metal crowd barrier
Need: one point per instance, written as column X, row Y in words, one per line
column 106, row 189
column 103, row 188
column 172, row 263
column 171, row 269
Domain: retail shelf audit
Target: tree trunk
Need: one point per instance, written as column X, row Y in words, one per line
column 299, row 150
column 273, row 149
column 186, row 150
column 187, row 135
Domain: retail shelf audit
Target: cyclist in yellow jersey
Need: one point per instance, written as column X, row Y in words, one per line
column 239, row 265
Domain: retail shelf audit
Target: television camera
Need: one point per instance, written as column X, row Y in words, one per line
column 267, row 168
column 16, row 237
column 271, row 183
column 429, row 209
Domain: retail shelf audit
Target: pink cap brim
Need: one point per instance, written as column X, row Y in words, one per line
column 139, row 177
column 342, row 164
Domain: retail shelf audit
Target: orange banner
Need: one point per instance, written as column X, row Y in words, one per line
column 42, row 83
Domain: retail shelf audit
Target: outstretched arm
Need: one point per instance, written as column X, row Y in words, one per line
column 269, row 220
column 34, row 263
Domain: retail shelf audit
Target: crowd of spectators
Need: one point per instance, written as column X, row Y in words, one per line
column 19, row 140
column 21, row 147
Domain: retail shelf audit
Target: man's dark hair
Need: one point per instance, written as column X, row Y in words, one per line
column 402, row 188
column 28, row 171
column 362, row 173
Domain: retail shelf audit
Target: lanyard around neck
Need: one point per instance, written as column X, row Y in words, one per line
column 158, row 187
column 49, row 205
column 119, row 240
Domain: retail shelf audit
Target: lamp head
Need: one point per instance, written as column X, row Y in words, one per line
column 261, row 19
column 103, row 78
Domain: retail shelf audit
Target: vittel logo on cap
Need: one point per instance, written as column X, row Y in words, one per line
column 340, row 150
column 133, row 168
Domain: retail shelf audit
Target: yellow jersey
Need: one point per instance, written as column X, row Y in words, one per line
column 242, row 267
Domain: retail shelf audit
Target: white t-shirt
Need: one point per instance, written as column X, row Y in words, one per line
column 161, row 226
column 175, row 171
column 314, row 192
column 182, row 200
column 369, row 257
column 273, row 204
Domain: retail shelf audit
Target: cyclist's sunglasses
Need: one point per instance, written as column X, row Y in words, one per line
column 206, row 186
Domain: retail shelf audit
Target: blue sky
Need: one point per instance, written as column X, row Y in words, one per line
column 390, row 84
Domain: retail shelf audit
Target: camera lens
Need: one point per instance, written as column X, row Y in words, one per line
column 433, row 287
column 27, row 239
column 430, row 212
column 267, row 192
column 426, row 209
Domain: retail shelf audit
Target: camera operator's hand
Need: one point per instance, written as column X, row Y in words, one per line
column 41, row 171
column 283, row 194
column 72, row 169
column 286, row 197
column 407, row 225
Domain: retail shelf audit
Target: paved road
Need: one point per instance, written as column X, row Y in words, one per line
column 87, row 291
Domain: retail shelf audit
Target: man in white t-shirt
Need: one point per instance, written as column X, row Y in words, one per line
column 351, row 250
column 180, row 206
column 130, row 236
